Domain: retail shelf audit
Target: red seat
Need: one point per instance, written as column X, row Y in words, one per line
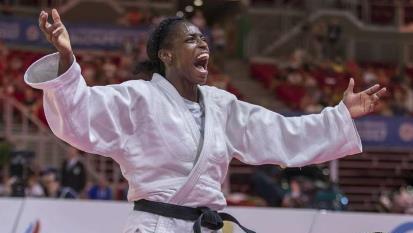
column 264, row 73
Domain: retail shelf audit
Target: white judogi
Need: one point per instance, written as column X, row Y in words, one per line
column 146, row 127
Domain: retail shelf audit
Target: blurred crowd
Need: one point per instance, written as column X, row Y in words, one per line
column 22, row 176
column 311, row 188
column 316, row 74
column 378, row 12
column 307, row 187
column 399, row 201
column 305, row 85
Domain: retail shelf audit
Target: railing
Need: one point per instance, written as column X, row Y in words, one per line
column 19, row 125
column 390, row 13
column 296, row 37
column 269, row 25
column 24, row 130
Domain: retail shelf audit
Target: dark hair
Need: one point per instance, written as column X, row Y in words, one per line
column 156, row 42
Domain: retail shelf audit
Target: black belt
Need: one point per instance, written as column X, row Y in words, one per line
column 203, row 216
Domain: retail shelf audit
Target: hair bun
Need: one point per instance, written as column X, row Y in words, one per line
column 155, row 42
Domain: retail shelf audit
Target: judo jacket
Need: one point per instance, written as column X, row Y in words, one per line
column 147, row 129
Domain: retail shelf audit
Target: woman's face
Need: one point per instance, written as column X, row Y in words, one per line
column 189, row 53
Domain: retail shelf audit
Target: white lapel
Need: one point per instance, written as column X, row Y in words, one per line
column 177, row 99
column 202, row 145
column 203, row 152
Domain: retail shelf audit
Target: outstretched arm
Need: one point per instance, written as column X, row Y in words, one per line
column 259, row 136
column 97, row 119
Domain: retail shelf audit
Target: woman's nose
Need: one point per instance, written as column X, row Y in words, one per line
column 202, row 44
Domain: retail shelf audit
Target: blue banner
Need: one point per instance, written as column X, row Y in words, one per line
column 19, row 31
column 380, row 132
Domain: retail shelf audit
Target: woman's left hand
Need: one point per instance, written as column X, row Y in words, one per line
column 362, row 103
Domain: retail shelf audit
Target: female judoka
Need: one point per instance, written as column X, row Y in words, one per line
column 173, row 137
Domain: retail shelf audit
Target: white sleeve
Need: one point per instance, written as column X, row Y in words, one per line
column 93, row 119
column 259, row 136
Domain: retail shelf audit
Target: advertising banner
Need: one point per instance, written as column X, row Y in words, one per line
column 379, row 132
column 22, row 31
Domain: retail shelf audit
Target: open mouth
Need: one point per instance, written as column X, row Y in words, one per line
column 201, row 63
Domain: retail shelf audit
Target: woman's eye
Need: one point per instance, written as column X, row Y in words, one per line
column 190, row 39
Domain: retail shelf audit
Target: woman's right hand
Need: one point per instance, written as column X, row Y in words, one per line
column 56, row 33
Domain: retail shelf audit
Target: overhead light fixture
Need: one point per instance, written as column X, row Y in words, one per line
column 180, row 14
column 189, row 8
column 198, row 2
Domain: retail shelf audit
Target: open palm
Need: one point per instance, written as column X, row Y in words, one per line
column 55, row 32
column 362, row 103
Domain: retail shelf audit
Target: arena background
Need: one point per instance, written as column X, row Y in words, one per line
column 292, row 56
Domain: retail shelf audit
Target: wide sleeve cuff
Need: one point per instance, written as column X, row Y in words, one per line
column 354, row 145
column 42, row 74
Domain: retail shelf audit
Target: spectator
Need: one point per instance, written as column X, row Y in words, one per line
column 398, row 105
column 384, row 109
column 109, row 71
column 33, row 187
column 309, row 104
column 219, row 80
column 369, row 77
column 329, row 197
column 3, row 187
column 134, row 17
column 297, row 59
column 53, row 188
column 9, row 183
column 30, row 97
column 100, row 191
column 318, row 37
column 73, row 171
column 219, row 43
column 409, row 97
column 121, row 190
column 266, row 183
column 296, row 198
column 400, row 201
column 198, row 20
column 333, row 38
column 218, row 38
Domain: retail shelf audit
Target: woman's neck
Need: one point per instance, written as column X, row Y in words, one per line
column 186, row 89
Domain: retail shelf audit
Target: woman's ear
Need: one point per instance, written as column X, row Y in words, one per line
column 165, row 56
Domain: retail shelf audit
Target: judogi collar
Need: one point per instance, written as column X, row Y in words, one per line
column 202, row 142
column 175, row 98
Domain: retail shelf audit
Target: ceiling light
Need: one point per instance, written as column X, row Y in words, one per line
column 180, row 14
column 189, row 9
column 198, row 2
